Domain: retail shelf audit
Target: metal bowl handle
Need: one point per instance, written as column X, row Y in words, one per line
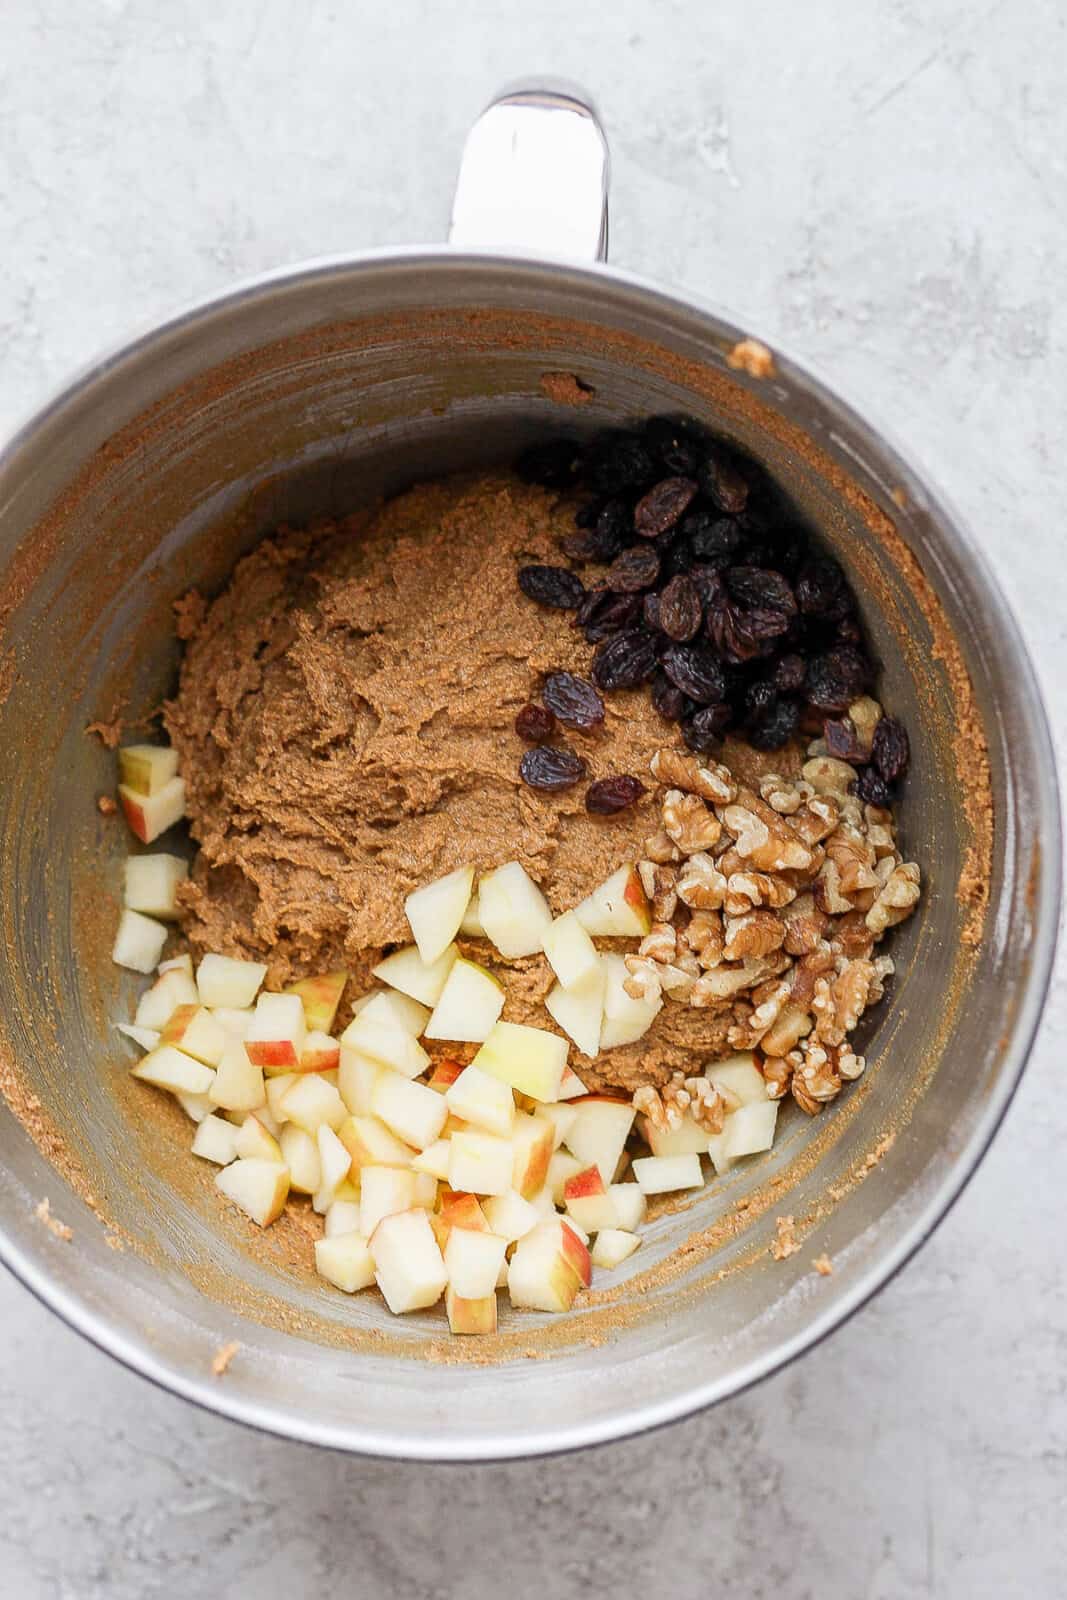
column 534, row 176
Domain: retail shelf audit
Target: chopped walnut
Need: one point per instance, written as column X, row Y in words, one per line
column 706, row 1105
column 828, row 895
column 780, row 795
column 897, row 899
column 770, row 847
column 748, row 890
column 827, row 775
column 660, row 943
column 753, row 935
column 865, row 715
column 853, row 858
column 805, row 926
column 644, row 980
column 678, row 771
column 677, row 981
column 823, row 1266
column 777, row 1074
column 850, row 1065
column 705, row 937
column 792, row 1024
column 665, row 893
column 661, row 849
column 763, row 1016
column 719, row 985
column 883, row 968
column 851, row 994
column 690, row 822
column 646, row 871
column 818, row 1078
column 816, row 820
column 700, row 883
column 850, row 936
column 647, row 1103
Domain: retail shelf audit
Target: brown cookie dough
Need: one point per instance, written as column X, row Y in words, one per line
column 345, row 726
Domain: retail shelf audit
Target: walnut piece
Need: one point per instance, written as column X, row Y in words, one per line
column 827, row 775
column 780, row 795
column 661, row 849
column 897, row 899
column 660, row 943
column 755, row 934
column 689, row 822
column 700, row 884
column 677, row 770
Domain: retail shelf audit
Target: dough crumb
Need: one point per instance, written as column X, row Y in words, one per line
column 785, row 1245
column 58, row 1230
column 223, row 1356
column 108, row 729
column 748, row 355
column 566, row 389
column 106, row 806
column 823, row 1266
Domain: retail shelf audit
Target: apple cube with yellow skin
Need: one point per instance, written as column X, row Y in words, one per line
column 158, row 1004
column 344, row 1259
column 149, row 815
column 406, row 971
column 618, row 909
column 370, row 1144
column 276, row 1034
column 411, row 1110
column 665, row 1174
column 435, row 912
column 215, row 1140
column 473, row 1261
column 238, row 1085
column 300, row 1152
column 393, row 1010
column 434, row 1160
column 259, row 1188
column 147, row 1038
column 480, row 1163
column 195, row 1106
column 138, row 943
column 321, row 996
column 533, row 1140
column 223, row 981
column 150, row 884
column 482, row 1101
column 194, row 1030
column 612, row 1246
column 528, row 1059
column 470, row 1316
column 169, row 1068
column 513, row 912
column 472, row 925
column 548, row 1268
column 408, row 1265
column 599, row 1132
column 147, row 768
column 587, row 1200
column 686, row 1140
column 471, row 1002
column 255, row 1142
column 342, row 1217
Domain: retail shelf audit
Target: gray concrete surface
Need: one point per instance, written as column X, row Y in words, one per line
column 880, row 184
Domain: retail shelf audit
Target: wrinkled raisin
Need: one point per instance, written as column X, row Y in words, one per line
column 775, row 726
column 668, row 699
column 608, row 615
column 872, row 788
column 724, row 484
column 820, row 586
column 890, row 751
column 703, row 731
column 837, row 678
column 710, row 535
column 550, row 463
column 789, row 673
column 695, row 671
column 625, row 661
column 759, row 697
column 661, row 507
column 552, row 586
column 609, row 795
column 550, row 768
column 759, row 589
column 618, row 461
column 534, row 724
column 675, row 442
column 843, row 740
column 650, row 612
column 633, row 570
column 680, row 610
column 573, row 700
column 612, row 531
column 741, row 633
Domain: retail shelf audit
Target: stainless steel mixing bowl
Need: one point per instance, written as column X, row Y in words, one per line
column 329, row 383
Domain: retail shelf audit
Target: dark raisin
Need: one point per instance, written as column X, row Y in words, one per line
column 724, row 484
column 550, row 463
column 675, row 442
column 759, row 698
column 650, row 612
column 633, row 570
column 703, row 731
column 662, row 506
column 872, row 788
column 837, row 678
column 534, row 724
column 890, row 751
column 820, row 586
column 680, row 609
column 668, row 699
column 757, row 588
column 618, row 461
column 579, row 546
column 741, row 634
column 775, row 726
column 613, row 530
column 585, row 516
column 549, row 768
column 710, row 535
column 625, row 661
column 617, row 611
column 608, row 795
column 573, row 700
column 552, row 586
column 843, row 740
column 789, row 673
column 695, row 671
column 849, row 631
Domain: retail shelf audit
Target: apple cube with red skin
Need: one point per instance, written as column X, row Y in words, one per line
column 370, row 1143
column 548, row 1268
column 599, row 1132
column 149, row 815
column 321, row 996
column 194, row 1030
column 463, row 1210
column 561, row 1167
column 533, row 1140
column 147, row 768
column 259, row 1188
column 344, row 1259
column 618, row 909
column 139, row 942
column 470, row 1316
column 276, row 1034
column 588, row 1201
column 408, row 1265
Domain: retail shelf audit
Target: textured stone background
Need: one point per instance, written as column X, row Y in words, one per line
column 882, row 185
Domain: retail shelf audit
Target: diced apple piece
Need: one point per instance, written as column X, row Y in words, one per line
column 471, row 1001
column 413, row 1112
column 588, row 1202
column 612, row 1246
column 275, row 1037
column 395, row 1010
column 259, row 1188
column 717, row 1153
column 626, row 1018
column 182, row 963
column 510, row 1216
column 356, row 1078
column 533, row 1140
column 579, row 1011
column 320, row 1053
column 300, row 1152
column 571, row 953
column 664, row 1174
column 480, row 1163
column 139, row 942
column 686, row 1140
column 254, row 1142
column 435, row 912
column 149, row 815
column 387, row 1044
column 223, row 981
column 277, row 1088
column 600, row 1131
column 471, row 925
column 321, row 996
column 577, row 1229
column 334, row 1162
column 618, row 909
column 548, row 1268
column 425, row 1190
column 750, row 1129
column 370, row 1144
column 157, row 1005
column 482, row 1101
column 235, row 1019
column 529, row 1059
column 238, row 1085
column 562, row 1120
column 444, row 1075
column 433, row 1160
column 408, row 1265
column 195, row 1106
column 738, row 1080
column 147, row 1038
column 151, row 884
column 147, row 768
column 561, row 1167
column 310, row 1101
column 470, row 1316
column 472, row 1261
column 630, row 1204
column 513, row 911
column 405, row 970
column 347, row 1190
column 194, row 1030
column 172, row 1069
column 216, row 1140
column 344, row 1260
column 543, row 1202
column 461, row 1210
column 572, row 1086
column 341, row 1218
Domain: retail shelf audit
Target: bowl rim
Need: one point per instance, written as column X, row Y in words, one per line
column 29, row 1266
